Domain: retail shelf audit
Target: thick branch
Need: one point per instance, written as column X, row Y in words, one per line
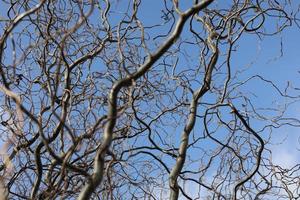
column 97, row 176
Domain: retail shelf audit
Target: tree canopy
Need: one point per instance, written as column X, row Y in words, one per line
column 141, row 99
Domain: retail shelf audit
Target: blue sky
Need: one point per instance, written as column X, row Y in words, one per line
column 258, row 57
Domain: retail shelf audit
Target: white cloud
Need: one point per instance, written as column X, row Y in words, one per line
column 287, row 154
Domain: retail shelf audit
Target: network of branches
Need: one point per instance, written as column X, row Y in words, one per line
column 141, row 99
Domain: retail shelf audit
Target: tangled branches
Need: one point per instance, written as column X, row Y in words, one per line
column 113, row 100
